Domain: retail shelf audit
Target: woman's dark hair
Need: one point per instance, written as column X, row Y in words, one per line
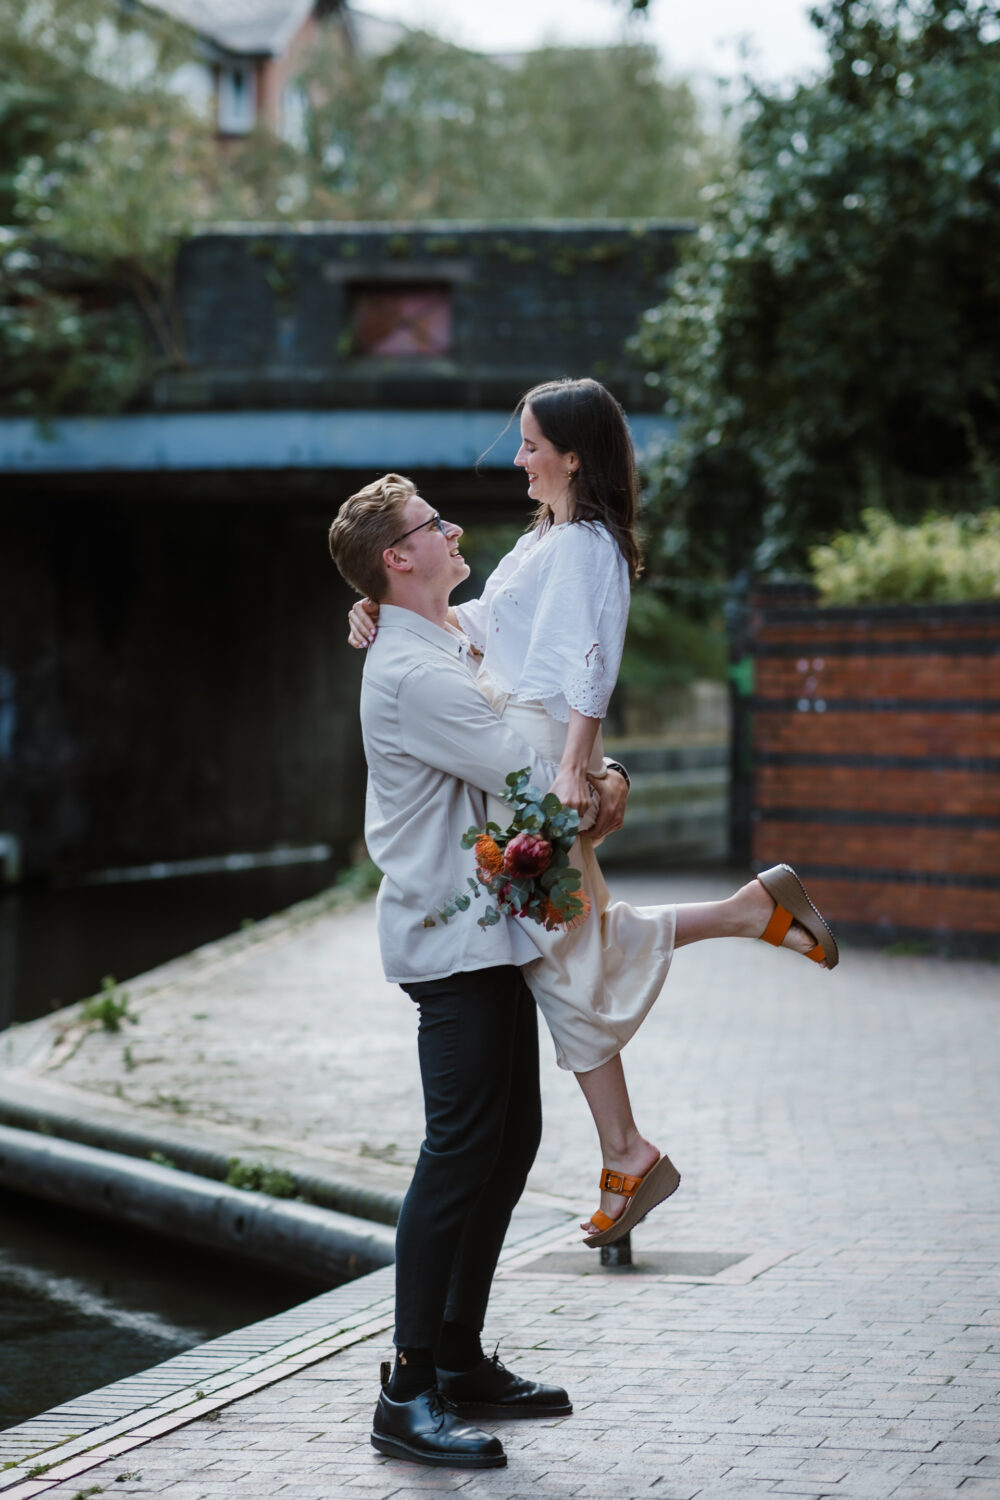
column 581, row 417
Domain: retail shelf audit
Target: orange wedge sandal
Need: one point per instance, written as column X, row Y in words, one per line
column 643, row 1194
column 791, row 904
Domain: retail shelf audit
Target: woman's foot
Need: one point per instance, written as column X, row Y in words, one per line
column 752, row 909
column 634, row 1161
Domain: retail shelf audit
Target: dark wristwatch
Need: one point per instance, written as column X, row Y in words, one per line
column 616, row 765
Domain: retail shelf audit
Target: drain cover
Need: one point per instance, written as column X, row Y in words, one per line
column 703, row 1264
column 725, row 1267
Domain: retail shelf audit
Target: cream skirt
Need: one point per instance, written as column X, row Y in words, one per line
column 595, row 983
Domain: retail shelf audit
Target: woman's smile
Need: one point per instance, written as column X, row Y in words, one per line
column 545, row 468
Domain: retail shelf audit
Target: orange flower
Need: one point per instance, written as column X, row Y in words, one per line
column 552, row 917
column 488, row 856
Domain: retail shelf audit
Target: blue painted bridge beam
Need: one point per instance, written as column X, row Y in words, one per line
column 261, row 440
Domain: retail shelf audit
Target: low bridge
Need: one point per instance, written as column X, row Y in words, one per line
column 174, row 679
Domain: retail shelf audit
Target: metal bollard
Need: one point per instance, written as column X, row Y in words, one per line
column 618, row 1254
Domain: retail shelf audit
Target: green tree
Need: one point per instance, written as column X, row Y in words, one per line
column 104, row 171
column 88, row 173
column 68, row 67
column 832, row 341
column 432, row 130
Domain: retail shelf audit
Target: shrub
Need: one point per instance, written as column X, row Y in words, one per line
column 938, row 559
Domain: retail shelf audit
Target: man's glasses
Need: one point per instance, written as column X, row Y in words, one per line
column 434, row 521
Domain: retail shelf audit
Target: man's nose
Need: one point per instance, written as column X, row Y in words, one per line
column 454, row 530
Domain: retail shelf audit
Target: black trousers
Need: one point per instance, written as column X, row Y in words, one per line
column 478, row 1046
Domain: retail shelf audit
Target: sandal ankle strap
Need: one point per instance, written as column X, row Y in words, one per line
column 618, row 1182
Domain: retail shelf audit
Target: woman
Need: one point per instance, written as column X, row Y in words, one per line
column 551, row 626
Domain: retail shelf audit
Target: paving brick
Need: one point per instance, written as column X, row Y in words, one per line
column 847, row 1120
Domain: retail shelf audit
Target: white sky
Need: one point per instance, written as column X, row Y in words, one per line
column 700, row 37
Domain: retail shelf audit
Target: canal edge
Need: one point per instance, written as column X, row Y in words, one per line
column 156, row 1404
column 325, row 1179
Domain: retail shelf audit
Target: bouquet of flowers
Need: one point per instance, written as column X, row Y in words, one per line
column 525, row 868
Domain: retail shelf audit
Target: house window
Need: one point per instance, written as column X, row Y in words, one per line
column 237, row 100
column 293, row 119
column 402, row 319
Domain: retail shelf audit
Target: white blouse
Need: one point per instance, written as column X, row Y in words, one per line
column 551, row 619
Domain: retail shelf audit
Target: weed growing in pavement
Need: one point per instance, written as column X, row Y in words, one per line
column 172, row 1101
column 379, row 1153
column 129, row 1477
column 109, row 1008
column 161, row 1160
column 258, row 1177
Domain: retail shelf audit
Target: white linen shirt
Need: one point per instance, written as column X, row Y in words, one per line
column 434, row 748
column 551, row 619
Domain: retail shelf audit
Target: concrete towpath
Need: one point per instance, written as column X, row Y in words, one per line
column 815, row 1313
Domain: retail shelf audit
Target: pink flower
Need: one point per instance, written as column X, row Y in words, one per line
column 527, row 854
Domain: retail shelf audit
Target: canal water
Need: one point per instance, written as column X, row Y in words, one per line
column 57, row 945
column 84, row 1302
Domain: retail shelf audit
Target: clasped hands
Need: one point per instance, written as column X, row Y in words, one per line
column 575, row 789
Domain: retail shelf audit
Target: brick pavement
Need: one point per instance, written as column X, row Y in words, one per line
column 843, row 1127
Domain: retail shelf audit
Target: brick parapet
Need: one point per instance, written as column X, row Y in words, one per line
column 876, row 751
column 268, row 319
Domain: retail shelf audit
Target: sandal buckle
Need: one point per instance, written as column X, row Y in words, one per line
column 618, row 1182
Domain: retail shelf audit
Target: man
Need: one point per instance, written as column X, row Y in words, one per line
column 435, row 748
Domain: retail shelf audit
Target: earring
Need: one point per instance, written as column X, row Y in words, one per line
column 570, row 473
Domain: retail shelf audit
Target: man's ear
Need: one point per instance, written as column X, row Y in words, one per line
column 396, row 562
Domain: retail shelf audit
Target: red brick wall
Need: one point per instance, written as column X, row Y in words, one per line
column 876, row 764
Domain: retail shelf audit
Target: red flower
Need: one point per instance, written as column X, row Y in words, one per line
column 527, row 854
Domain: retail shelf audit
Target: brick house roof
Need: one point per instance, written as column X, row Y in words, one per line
column 265, row 27
column 248, row 26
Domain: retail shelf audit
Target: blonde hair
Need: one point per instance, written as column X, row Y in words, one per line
column 366, row 523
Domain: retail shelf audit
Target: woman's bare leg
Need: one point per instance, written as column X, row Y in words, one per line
column 744, row 914
column 623, row 1149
